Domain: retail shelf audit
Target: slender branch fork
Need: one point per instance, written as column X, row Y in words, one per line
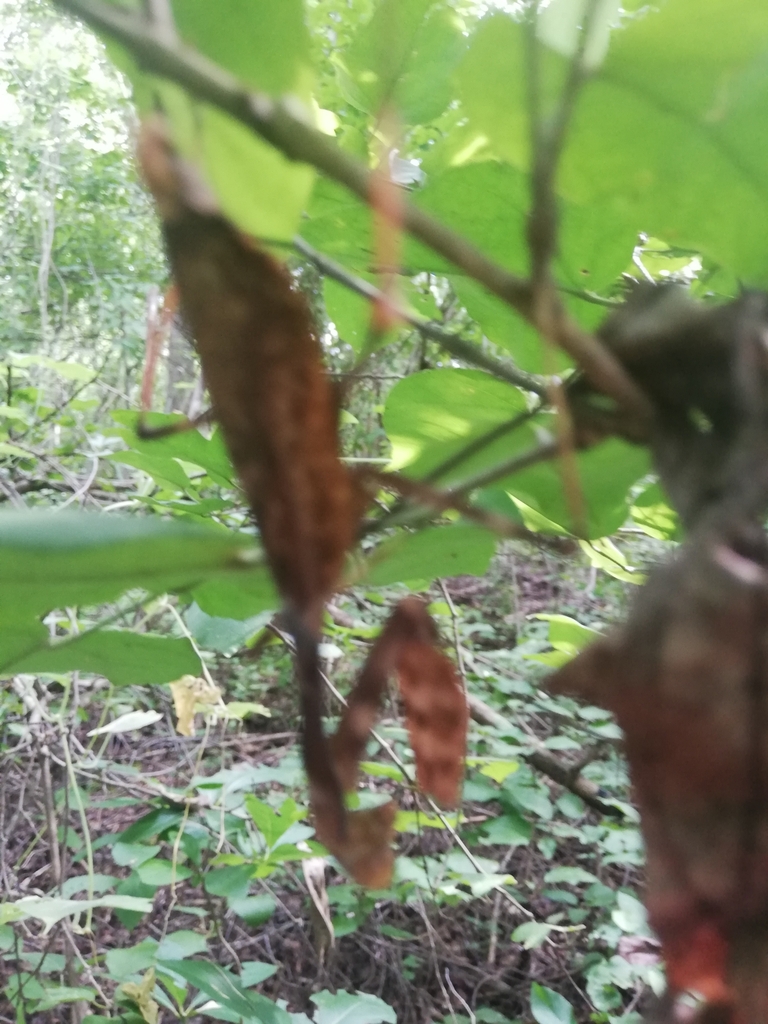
column 278, row 122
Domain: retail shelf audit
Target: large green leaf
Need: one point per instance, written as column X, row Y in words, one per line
column 486, row 202
column 505, row 328
column 549, row 1007
column 187, row 445
column 605, row 473
column 672, row 125
column 435, row 551
column 52, row 560
column 123, row 657
column 405, row 55
column 238, row 596
column 340, row 225
column 227, row 990
column 352, row 1008
column 432, row 415
column 266, row 45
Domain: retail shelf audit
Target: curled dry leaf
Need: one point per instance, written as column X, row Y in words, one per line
column 436, row 709
column 263, row 366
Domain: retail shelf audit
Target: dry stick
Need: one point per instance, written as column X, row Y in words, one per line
column 279, row 123
column 453, row 343
column 545, row 763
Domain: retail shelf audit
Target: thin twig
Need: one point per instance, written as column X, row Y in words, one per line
column 460, row 347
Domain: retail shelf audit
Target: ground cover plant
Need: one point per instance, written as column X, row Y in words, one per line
column 309, row 693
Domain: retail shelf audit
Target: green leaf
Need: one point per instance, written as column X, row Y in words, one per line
column 131, row 855
column 55, row 995
column 630, row 915
column 126, row 659
column 654, row 515
column 188, row 446
column 656, row 137
column 505, row 328
column 227, row 990
column 350, row 312
column 485, row 202
column 432, row 415
column 531, row 934
column 238, row 597
column 53, row 560
column 266, row 45
column 122, row 963
column 19, row 640
column 339, row 225
column 405, row 55
column 162, row 872
column 232, row 881
column 166, row 473
column 550, row 1007
column 352, row 1008
column 270, row 824
column 508, row 829
column 565, row 630
column 253, row 972
column 180, row 944
column 571, row 875
column 152, row 824
column 254, row 910
column 605, row 472
column 225, row 636
column 435, row 551
column 604, row 554
column 50, row 909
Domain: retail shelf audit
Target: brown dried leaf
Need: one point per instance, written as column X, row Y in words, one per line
column 363, row 846
column 436, row 708
column 262, row 363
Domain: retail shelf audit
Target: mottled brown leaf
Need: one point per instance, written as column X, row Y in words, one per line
column 435, row 705
column 436, row 708
column 263, row 366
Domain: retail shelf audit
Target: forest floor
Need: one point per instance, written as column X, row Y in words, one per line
column 436, row 947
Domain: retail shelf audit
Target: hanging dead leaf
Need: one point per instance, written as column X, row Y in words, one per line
column 435, row 705
column 687, row 678
column 436, row 708
column 263, row 366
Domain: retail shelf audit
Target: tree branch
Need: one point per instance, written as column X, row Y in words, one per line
column 276, row 121
column 546, row 763
column 453, row 343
